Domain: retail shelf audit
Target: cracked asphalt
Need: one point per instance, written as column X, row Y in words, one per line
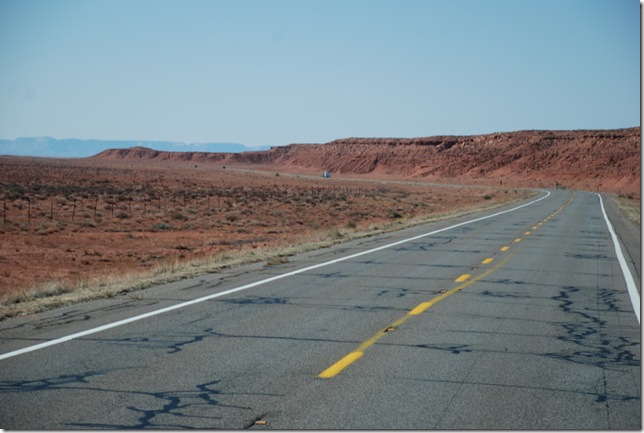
column 513, row 320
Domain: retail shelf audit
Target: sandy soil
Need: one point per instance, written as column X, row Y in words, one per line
column 73, row 223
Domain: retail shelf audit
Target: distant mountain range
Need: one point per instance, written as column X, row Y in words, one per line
column 76, row 148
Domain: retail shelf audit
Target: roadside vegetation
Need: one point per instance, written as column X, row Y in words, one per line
column 630, row 207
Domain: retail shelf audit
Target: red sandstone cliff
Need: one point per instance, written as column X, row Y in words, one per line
column 607, row 160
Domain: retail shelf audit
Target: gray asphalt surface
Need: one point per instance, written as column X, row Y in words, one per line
column 543, row 336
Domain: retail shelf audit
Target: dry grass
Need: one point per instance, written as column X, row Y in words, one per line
column 630, row 207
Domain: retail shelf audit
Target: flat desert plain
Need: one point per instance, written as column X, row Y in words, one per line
column 73, row 229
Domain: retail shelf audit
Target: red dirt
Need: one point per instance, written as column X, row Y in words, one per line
column 81, row 219
column 605, row 160
column 133, row 209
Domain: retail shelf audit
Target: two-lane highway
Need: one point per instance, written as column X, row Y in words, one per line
column 520, row 318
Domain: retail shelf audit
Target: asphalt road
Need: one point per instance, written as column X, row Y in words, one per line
column 513, row 320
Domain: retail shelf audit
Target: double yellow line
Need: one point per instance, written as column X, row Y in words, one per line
column 465, row 281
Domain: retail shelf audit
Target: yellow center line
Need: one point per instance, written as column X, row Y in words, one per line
column 353, row 356
column 341, row 365
column 462, row 278
column 421, row 307
column 488, row 260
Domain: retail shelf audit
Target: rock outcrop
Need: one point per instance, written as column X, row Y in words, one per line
column 607, row 160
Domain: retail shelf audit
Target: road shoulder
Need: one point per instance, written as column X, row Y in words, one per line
column 630, row 237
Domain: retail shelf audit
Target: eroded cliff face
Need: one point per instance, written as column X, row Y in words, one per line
column 607, row 160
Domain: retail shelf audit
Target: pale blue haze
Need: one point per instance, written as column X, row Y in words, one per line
column 275, row 72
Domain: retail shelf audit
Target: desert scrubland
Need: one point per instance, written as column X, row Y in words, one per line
column 74, row 229
column 83, row 228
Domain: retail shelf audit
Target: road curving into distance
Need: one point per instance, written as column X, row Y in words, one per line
column 521, row 318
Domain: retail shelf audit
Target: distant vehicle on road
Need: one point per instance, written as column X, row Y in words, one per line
column 326, row 175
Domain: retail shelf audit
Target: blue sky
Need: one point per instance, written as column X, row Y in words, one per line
column 275, row 72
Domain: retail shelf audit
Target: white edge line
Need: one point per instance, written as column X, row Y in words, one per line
column 630, row 281
column 248, row 286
